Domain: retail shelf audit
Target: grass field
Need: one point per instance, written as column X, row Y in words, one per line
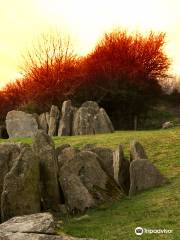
column 158, row 208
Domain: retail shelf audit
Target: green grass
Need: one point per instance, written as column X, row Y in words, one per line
column 155, row 208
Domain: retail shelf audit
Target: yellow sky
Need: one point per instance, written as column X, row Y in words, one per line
column 84, row 21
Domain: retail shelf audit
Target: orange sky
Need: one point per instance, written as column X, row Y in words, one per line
column 84, row 21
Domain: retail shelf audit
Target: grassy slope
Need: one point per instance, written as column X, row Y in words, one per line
column 156, row 208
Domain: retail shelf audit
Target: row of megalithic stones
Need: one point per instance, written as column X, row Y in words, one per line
column 88, row 119
column 42, row 177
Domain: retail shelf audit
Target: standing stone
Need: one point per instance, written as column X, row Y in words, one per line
column 47, row 118
column 137, row 151
column 84, row 121
column 90, row 119
column 21, row 124
column 144, row 175
column 43, row 124
column 8, row 153
column 65, row 126
column 102, row 122
column 54, row 121
column 84, row 183
column 21, row 186
column 121, row 169
column 45, row 151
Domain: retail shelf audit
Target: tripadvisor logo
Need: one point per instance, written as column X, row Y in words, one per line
column 139, row 231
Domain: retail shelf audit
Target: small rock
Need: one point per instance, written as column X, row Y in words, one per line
column 167, row 125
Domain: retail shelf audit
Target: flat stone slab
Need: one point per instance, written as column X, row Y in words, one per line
column 40, row 226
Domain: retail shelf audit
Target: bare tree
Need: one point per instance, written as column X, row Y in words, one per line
column 50, row 69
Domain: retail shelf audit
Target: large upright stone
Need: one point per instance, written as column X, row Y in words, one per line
column 54, row 121
column 121, row 169
column 102, row 122
column 90, row 119
column 8, row 153
column 43, row 122
column 21, row 186
column 84, row 121
column 137, row 151
column 65, row 126
column 84, row 183
column 144, row 175
column 45, row 151
column 21, row 124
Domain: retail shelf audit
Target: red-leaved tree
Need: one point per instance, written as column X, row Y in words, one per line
column 123, row 74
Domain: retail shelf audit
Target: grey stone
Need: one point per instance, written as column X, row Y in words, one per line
column 21, row 186
column 121, row 169
column 144, row 175
column 66, row 154
column 88, row 146
column 21, row 124
column 137, row 151
column 44, row 149
column 91, row 104
column 8, row 153
column 35, row 236
column 84, row 182
column 105, row 158
column 47, row 118
column 83, row 123
column 77, row 196
column 43, row 124
column 65, row 126
column 61, row 147
column 90, row 119
column 102, row 122
column 34, row 223
column 167, row 125
column 54, row 121
column 40, row 226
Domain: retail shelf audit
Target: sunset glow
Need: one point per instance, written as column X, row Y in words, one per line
column 85, row 22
